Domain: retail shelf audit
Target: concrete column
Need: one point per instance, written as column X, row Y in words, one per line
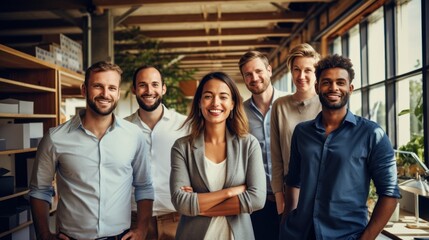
column 102, row 37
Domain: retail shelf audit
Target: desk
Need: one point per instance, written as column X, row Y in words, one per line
column 399, row 231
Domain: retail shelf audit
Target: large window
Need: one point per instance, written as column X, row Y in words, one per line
column 336, row 46
column 409, row 102
column 376, row 49
column 377, row 105
column 355, row 104
column 385, row 94
column 408, row 35
column 354, row 54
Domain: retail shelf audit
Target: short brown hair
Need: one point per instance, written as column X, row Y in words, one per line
column 249, row 56
column 101, row 66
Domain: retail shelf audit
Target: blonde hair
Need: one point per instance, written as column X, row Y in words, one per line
column 302, row 50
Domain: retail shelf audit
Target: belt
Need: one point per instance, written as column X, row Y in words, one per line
column 117, row 237
column 169, row 216
column 271, row 197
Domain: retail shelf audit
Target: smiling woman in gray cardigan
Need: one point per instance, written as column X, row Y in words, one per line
column 217, row 175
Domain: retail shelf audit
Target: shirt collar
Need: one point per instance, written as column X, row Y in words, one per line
column 76, row 121
column 166, row 113
column 350, row 117
column 276, row 94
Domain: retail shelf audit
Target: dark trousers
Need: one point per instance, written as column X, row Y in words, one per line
column 266, row 221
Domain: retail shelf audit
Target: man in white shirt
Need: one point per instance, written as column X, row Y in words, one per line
column 162, row 127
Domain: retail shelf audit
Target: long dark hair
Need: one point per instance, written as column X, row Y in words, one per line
column 238, row 124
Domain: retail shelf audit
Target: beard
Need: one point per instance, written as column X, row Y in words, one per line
column 93, row 106
column 149, row 108
column 334, row 106
column 258, row 90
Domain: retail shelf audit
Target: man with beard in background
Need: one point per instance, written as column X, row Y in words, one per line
column 161, row 127
column 256, row 71
column 97, row 158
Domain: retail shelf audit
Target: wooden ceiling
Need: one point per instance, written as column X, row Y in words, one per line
column 205, row 35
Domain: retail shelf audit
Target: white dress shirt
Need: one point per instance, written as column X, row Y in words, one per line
column 160, row 139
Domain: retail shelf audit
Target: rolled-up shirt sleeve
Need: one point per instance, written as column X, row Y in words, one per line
column 382, row 165
column 142, row 178
column 43, row 171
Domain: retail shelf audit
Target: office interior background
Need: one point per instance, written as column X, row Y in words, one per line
column 387, row 41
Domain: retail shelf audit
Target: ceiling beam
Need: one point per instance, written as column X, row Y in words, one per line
column 214, row 44
column 42, row 5
column 115, row 3
column 212, row 32
column 213, row 18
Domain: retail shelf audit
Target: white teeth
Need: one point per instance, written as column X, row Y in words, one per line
column 215, row 111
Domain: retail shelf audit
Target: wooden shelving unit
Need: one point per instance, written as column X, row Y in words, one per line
column 27, row 78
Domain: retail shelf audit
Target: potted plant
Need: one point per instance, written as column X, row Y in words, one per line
column 150, row 53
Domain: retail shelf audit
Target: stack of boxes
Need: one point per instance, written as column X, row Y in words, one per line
column 62, row 51
column 19, row 135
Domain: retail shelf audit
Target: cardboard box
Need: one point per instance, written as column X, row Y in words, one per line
column 69, row 55
column 8, row 107
column 34, row 142
column 24, row 107
column 44, row 55
column 21, row 234
column 36, row 129
column 8, row 220
column 2, row 144
column 19, row 135
column 7, row 185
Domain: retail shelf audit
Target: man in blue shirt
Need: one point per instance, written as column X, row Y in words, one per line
column 256, row 72
column 333, row 158
column 96, row 158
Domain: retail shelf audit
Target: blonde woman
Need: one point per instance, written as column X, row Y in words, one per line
column 217, row 175
column 290, row 110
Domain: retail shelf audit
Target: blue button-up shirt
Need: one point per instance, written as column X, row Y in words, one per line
column 94, row 176
column 260, row 128
column 333, row 173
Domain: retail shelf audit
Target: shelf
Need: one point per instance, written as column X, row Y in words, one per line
column 7, row 85
column 15, row 229
column 17, row 194
column 70, row 78
column 15, row 151
column 11, row 58
column 71, row 83
column 18, row 115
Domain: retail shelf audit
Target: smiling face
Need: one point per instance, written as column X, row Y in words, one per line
column 303, row 74
column 216, row 102
column 149, row 89
column 256, row 75
column 334, row 88
column 102, row 93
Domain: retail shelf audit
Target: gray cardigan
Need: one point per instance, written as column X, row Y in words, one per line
column 244, row 166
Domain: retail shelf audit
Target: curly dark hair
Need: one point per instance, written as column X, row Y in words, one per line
column 335, row 61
